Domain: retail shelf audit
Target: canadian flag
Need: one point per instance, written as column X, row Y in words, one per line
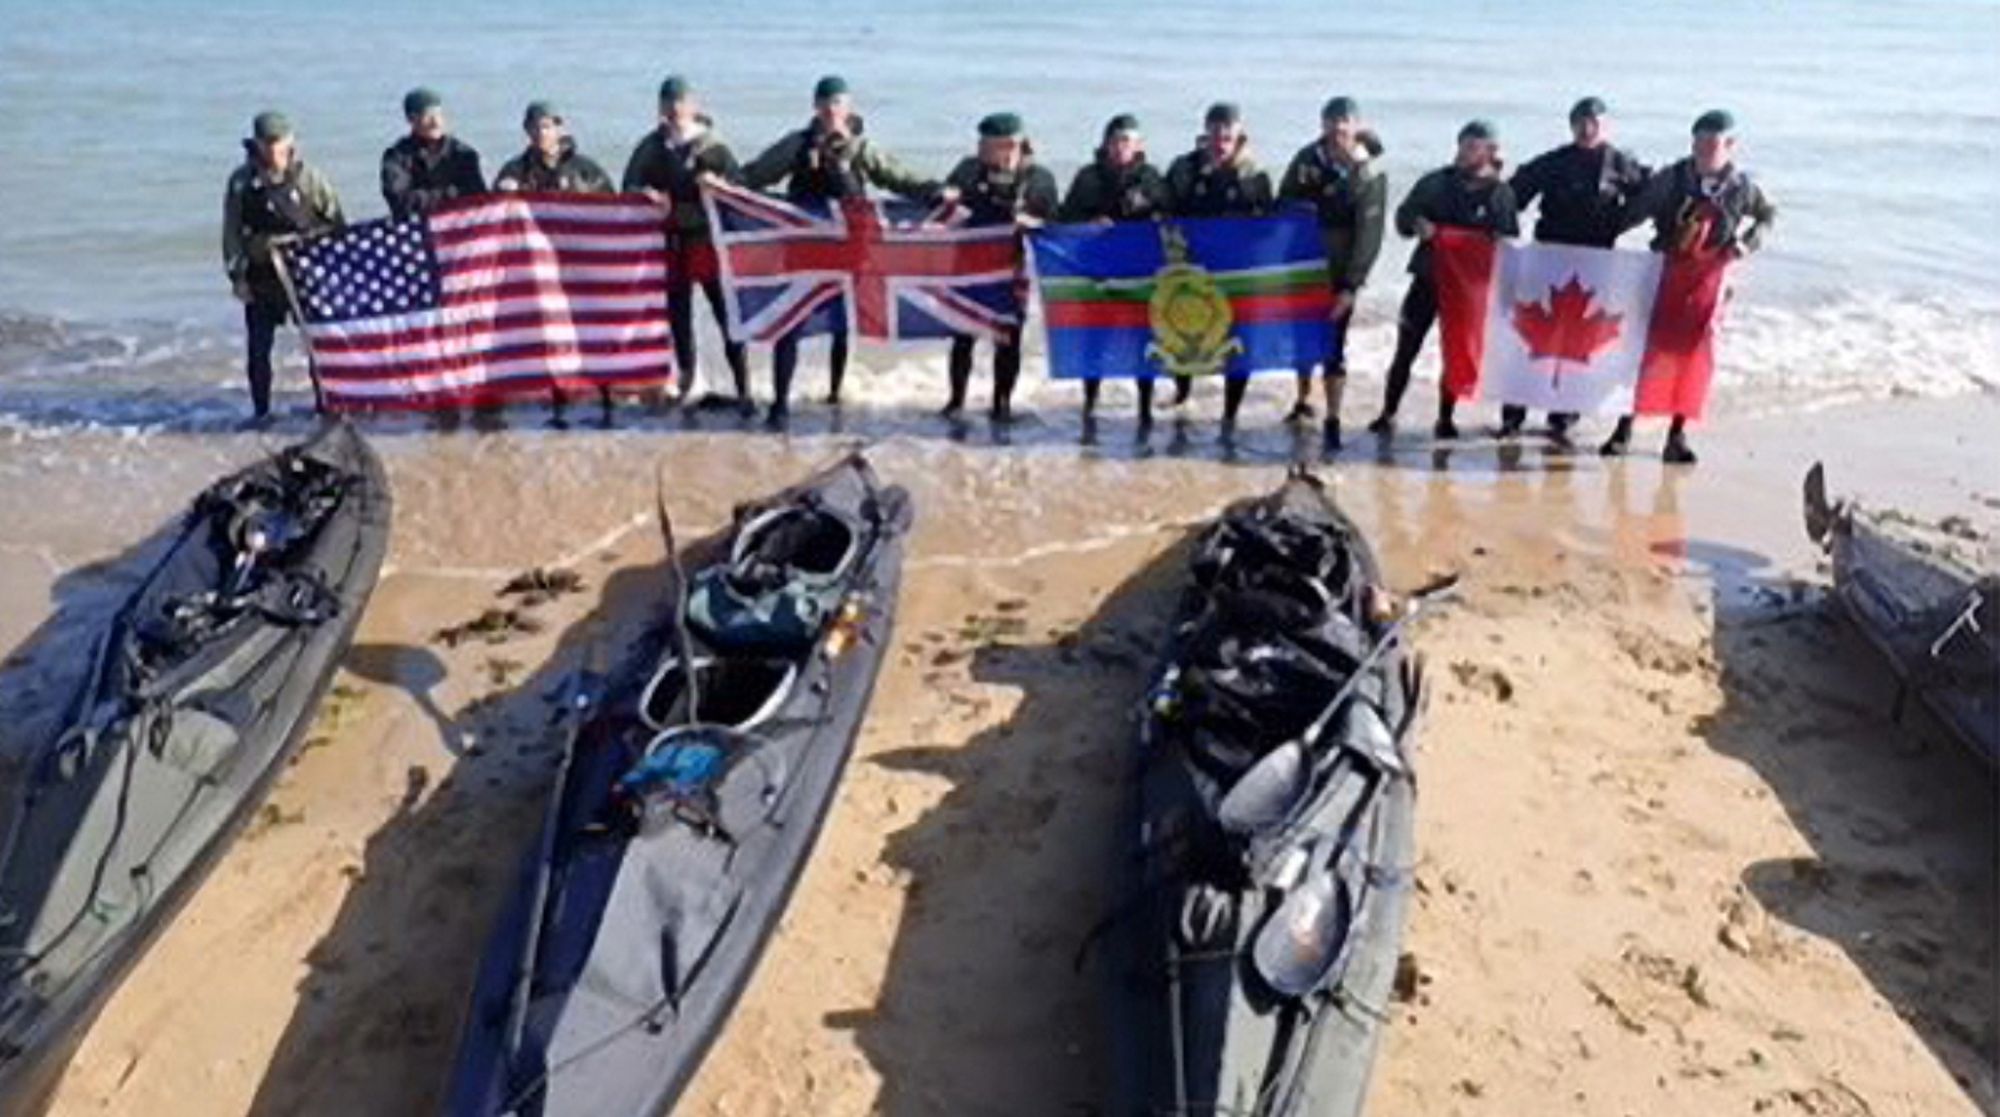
column 1564, row 328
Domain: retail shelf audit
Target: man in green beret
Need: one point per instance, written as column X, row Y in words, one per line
column 272, row 196
column 669, row 166
column 829, row 159
column 1219, row 178
column 999, row 185
column 1468, row 194
column 551, row 165
column 429, row 166
column 1704, row 203
column 1119, row 184
column 1336, row 175
column 1583, row 187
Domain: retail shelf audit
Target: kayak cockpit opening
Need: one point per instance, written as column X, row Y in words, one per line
column 738, row 692
column 250, row 534
column 797, row 540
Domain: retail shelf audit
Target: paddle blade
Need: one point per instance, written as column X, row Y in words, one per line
column 1362, row 729
column 1300, row 943
column 1819, row 513
column 1264, row 796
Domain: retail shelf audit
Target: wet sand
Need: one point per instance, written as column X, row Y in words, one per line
column 1673, row 856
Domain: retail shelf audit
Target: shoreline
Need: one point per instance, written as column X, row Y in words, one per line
column 1672, row 858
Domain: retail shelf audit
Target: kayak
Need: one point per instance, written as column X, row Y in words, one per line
column 1269, row 853
column 195, row 698
column 1921, row 599
column 689, row 797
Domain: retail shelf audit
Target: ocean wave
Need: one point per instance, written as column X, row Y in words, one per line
column 1833, row 350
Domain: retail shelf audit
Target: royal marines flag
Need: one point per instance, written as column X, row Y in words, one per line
column 886, row 270
column 1184, row 298
column 1566, row 328
column 486, row 300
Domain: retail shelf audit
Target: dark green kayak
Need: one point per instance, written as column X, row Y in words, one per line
column 690, row 797
column 197, row 694
column 1267, row 865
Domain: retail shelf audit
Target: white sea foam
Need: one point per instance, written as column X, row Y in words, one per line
column 1839, row 350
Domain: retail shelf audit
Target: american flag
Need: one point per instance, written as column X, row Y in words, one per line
column 485, row 300
column 888, row 270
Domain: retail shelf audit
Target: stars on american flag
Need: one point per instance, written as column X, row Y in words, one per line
column 368, row 270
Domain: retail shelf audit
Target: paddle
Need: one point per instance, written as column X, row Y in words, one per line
column 1274, row 788
column 683, row 642
column 1306, row 937
column 1819, row 512
column 582, row 698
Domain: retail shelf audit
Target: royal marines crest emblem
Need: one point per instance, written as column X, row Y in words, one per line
column 1189, row 314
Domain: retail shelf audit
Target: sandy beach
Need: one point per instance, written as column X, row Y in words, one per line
column 1674, row 857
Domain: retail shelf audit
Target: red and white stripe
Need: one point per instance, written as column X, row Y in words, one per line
column 539, row 293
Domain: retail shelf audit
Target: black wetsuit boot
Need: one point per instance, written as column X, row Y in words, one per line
column 836, row 368
column 735, row 353
column 1446, row 427
column 680, row 320
column 1302, row 410
column 1677, row 450
column 1336, row 390
column 1620, row 440
column 1234, row 388
column 959, row 368
column 1413, row 325
column 1006, row 374
column 260, row 322
column 1512, row 418
column 784, row 364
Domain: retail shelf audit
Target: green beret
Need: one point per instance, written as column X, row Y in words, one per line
column 270, row 126
column 829, row 87
column 1715, row 120
column 539, row 111
column 1478, row 130
column 1339, row 108
column 674, row 88
column 1589, row 106
column 419, row 101
column 1223, row 112
column 1001, row 126
column 1123, row 122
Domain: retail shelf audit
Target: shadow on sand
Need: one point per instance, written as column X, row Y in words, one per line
column 379, row 1010
column 40, row 675
column 982, row 1010
column 39, row 681
column 1901, row 821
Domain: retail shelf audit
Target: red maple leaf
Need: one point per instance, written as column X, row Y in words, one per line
column 1567, row 329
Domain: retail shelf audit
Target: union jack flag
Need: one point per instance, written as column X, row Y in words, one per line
column 485, row 300
column 886, row 270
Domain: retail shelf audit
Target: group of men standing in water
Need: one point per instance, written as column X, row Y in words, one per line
column 1588, row 191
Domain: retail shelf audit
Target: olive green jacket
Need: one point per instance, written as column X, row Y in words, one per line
column 1352, row 203
column 245, row 250
column 676, row 170
column 1201, row 187
column 862, row 161
column 1099, row 191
